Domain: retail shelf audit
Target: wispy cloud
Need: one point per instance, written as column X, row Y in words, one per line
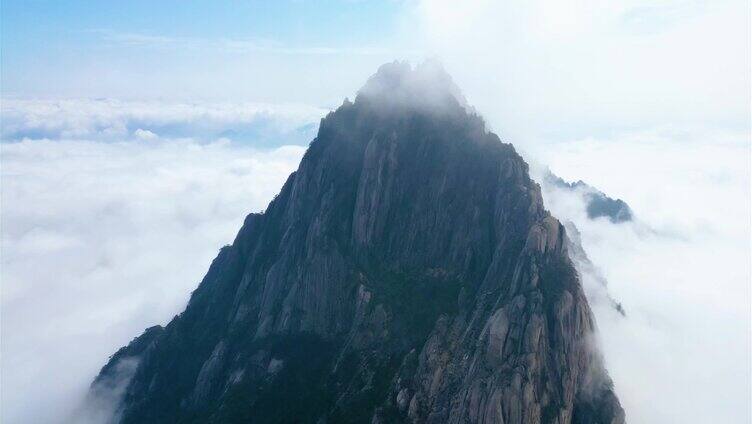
column 235, row 45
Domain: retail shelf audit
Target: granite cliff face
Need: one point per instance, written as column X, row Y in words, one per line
column 406, row 272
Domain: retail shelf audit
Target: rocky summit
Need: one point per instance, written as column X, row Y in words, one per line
column 407, row 272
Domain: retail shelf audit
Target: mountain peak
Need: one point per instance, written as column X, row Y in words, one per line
column 407, row 272
column 427, row 87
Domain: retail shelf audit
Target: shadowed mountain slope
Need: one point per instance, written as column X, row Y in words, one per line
column 406, row 272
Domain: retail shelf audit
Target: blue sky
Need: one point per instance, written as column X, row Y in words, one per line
column 32, row 28
column 148, row 49
column 284, row 19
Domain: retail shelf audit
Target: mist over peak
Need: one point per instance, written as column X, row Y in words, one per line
column 427, row 87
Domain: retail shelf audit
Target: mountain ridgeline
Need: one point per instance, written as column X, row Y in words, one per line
column 599, row 205
column 406, row 272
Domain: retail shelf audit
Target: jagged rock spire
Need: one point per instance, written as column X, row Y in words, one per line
column 406, row 272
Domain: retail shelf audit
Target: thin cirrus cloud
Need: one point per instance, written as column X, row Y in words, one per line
column 234, row 45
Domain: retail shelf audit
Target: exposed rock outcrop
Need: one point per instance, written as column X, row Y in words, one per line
column 598, row 203
column 406, row 272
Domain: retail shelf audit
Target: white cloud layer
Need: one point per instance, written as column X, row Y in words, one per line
column 681, row 270
column 267, row 125
column 544, row 69
column 101, row 240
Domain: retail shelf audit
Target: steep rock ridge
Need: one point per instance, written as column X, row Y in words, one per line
column 598, row 203
column 406, row 272
column 597, row 291
column 564, row 198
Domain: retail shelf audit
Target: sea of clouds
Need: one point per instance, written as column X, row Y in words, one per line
column 681, row 269
column 105, row 236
